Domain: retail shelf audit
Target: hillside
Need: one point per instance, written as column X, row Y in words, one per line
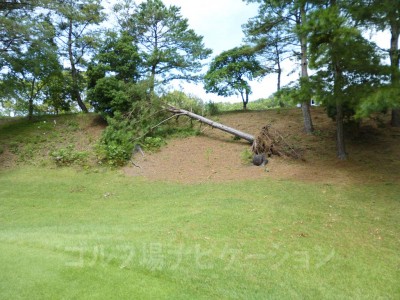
column 24, row 142
column 315, row 229
column 215, row 156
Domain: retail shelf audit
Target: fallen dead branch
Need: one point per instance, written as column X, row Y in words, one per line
column 136, row 165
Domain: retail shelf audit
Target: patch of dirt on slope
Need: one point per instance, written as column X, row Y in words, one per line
column 215, row 156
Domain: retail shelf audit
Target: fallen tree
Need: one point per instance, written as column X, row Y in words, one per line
column 233, row 131
column 267, row 143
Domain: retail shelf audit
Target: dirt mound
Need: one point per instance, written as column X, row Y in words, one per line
column 215, row 156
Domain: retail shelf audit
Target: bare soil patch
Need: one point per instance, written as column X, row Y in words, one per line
column 215, row 156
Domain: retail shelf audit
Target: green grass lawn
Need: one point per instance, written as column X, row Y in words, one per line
column 65, row 234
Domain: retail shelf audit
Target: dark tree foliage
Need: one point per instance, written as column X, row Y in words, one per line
column 169, row 49
column 231, row 71
column 112, row 70
column 348, row 66
column 383, row 15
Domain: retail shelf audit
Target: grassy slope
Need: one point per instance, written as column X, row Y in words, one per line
column 99, row 234
column 25, row 142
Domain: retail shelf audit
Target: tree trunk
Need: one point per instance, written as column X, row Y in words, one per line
column 30, row 109
column 30, row 101
column 340, row 144
column 152, row 79
column 279, row 71
column 395, row 122
column 308, row 124
column 154, row 63
column 245, row 100
column 235, row 132
column 75, row 95
column 278, row 64
column 394, row 63
column 337, row 93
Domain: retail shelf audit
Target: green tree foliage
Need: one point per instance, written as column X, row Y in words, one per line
column 17, row 20
column 57, row 91
column 23, row 4
column 231, row 71
column 383, row 15
column 168, row 47
column 154, row 45
column 112, row 72
column 15, row 25
column 118, row 55
column 187, row 102
column 348, row 65
column 76, row 22
column 126, row 130
column 109, row 95
column 30, row 71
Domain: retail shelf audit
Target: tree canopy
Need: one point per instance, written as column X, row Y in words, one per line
column 168, row 47
column 231, row 71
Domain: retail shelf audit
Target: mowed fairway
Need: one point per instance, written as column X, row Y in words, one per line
column 71, row 235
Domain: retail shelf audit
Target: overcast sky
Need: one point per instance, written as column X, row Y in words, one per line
column 219, row 22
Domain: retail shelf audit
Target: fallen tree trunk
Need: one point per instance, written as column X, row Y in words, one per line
column 233, row 131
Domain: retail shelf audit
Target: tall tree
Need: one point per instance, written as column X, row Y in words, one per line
column 30, row 70
column 384, row 15
column 169, row 48
column 231, row 71
column 77, row 22
column 272, row 43
column 284, row 19
column 347, row 64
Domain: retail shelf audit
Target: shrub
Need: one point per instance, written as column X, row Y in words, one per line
column 109, row 95
column 68, row 156
column 153, row 143
column 212, row 109
column 116, row 145
column 113, row 154
column 183, row 101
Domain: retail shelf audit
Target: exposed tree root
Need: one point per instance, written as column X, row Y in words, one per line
column 270, row 142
